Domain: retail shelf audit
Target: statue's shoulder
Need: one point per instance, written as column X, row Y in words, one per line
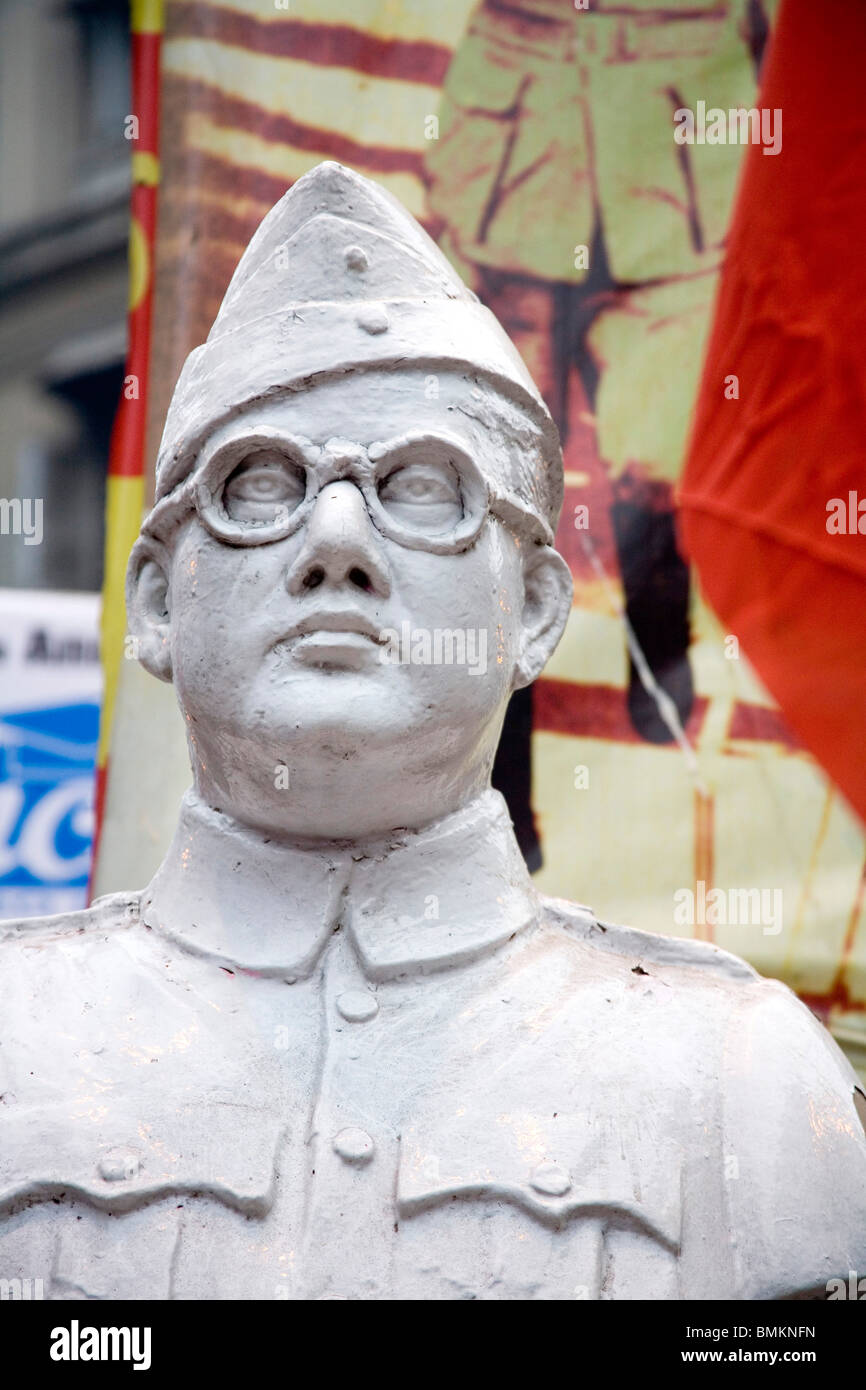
column 643, row 948
column 46, row 963
column 720, row 998
column 62, row 980
column 747, row 1051
column 720, row 993
column 106, row 915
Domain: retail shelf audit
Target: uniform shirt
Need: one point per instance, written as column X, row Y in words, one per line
column 393, row 1071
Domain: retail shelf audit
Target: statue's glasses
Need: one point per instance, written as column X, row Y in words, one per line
column 421, row 490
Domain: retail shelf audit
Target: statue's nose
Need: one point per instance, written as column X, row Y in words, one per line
column 341, row 545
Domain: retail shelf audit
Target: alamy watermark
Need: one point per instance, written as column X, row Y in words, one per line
column 438, row 646
column 729, row 907
column 77, row 1343
column 21, row 1290
column 854, row 1288
column 22, row 516
column 739, row 125
column 846, row 517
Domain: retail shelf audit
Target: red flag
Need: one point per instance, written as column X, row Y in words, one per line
column 773, row 496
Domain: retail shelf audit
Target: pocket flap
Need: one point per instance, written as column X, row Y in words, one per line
column 227, row 1151
column 555, row 1174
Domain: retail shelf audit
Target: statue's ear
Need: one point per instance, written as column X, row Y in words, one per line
column 148, row 606
column 547, row 586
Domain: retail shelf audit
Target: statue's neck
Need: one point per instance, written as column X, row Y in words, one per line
column 413, row 899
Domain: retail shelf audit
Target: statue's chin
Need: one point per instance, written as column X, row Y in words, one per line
column 344, row 771
column 345, row 713
column 321, row 743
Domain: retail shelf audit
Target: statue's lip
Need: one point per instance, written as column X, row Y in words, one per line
column 335, row 620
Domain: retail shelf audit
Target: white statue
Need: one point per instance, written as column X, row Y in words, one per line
column 340, row 1047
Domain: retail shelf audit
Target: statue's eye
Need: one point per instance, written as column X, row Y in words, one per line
column 263, row 488
column 424, row 495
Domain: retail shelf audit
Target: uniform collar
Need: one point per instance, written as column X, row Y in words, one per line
column 419, row 901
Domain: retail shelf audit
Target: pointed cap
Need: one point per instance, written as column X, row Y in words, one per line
column 339, row 276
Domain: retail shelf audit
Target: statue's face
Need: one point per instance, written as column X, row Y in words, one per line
column 338, row 624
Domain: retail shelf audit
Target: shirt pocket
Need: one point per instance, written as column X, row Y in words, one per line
column 546, row 1223
column 101, row 1256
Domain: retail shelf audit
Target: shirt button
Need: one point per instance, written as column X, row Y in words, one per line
column 550, row 1180
column 357, row 1005
column 373, row 321
column 354, row 1146
column 119, row 1165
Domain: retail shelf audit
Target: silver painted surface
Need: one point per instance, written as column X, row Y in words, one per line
column 340, row 1048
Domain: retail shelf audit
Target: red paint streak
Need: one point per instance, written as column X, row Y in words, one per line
column 838, row 995
column 599, row 711
column 126, row 452
column 851, row 930
column 277, row 128
column 126, row 455
column 326, row 45
column 757, row 723
column 594, row 711
column 219, row 223
column 704, row 851
column 101, row 785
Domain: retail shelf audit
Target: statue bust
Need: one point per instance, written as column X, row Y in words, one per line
column 340, row 1047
